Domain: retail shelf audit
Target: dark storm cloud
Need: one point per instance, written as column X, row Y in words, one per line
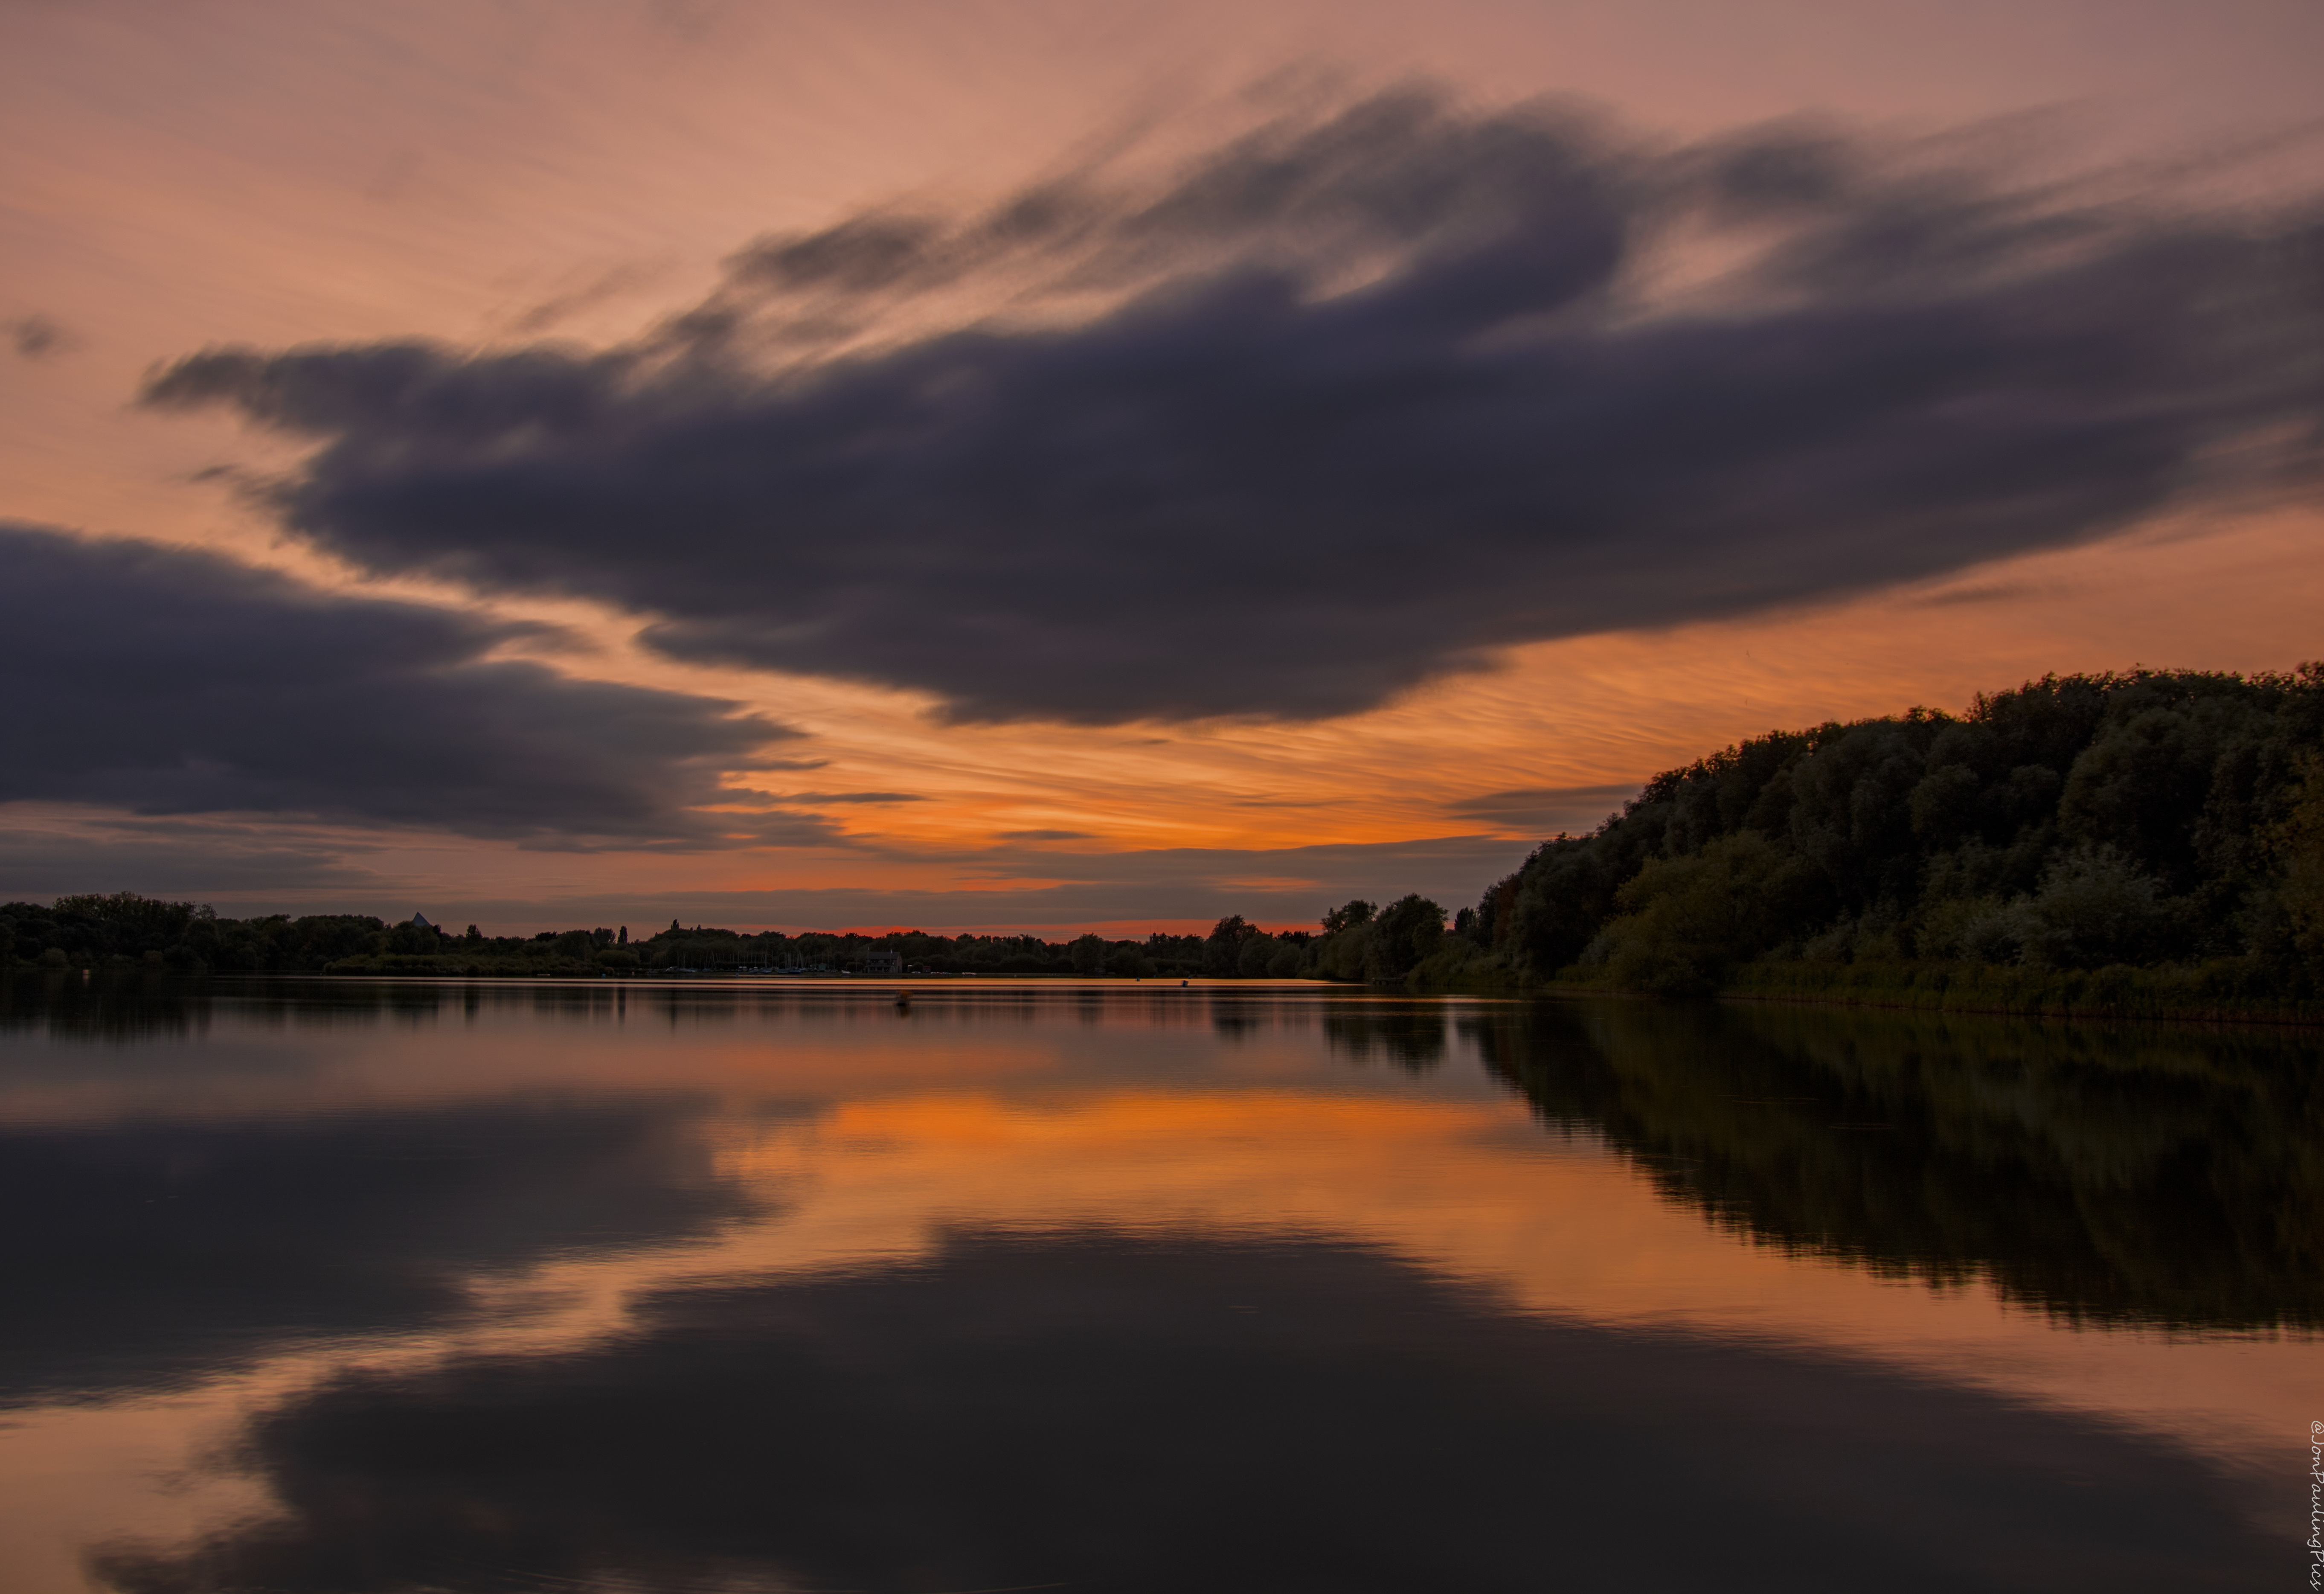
column 1175, row 1412
column 172, row 682
column 1356, row 401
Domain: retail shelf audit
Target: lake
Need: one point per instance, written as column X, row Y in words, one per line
column 346, row 1286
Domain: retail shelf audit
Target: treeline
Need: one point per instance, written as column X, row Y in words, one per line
column 2141, row 842
column 2055, row 839
column 126, row 931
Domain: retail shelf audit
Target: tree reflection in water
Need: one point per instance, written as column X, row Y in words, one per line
column 2173, row 1177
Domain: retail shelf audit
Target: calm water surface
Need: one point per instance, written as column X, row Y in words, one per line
column 357, row 1287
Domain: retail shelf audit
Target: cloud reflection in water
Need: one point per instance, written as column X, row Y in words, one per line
column 1093, row 1411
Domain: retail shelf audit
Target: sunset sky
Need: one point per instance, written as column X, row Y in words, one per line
column 1105, row 466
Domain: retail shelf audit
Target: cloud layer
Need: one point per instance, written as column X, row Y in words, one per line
column 1347, row 405
column 170, row 682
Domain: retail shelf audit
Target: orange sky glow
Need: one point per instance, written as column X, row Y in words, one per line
column 189, row 177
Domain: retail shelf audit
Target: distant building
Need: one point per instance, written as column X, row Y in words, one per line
column 884, row 960
column 420, row 920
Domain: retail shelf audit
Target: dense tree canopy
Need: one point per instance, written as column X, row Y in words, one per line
column 2134, row 819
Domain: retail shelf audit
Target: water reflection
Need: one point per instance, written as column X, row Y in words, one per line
column 1091, row 1412
column 2174, row 1177
column 543, row 1287
column 1411, row 1038
column 104, row 1007
column 145, row 1254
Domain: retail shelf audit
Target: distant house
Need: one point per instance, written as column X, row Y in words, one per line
column 420, row 920
column 884, row 960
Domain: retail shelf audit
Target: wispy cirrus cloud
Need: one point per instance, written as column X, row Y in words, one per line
column 1539, row 810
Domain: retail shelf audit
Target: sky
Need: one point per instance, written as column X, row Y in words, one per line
column 997, row 467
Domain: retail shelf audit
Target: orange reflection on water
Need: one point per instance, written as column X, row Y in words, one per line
column 870, row 1144
column 1476, row 1190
